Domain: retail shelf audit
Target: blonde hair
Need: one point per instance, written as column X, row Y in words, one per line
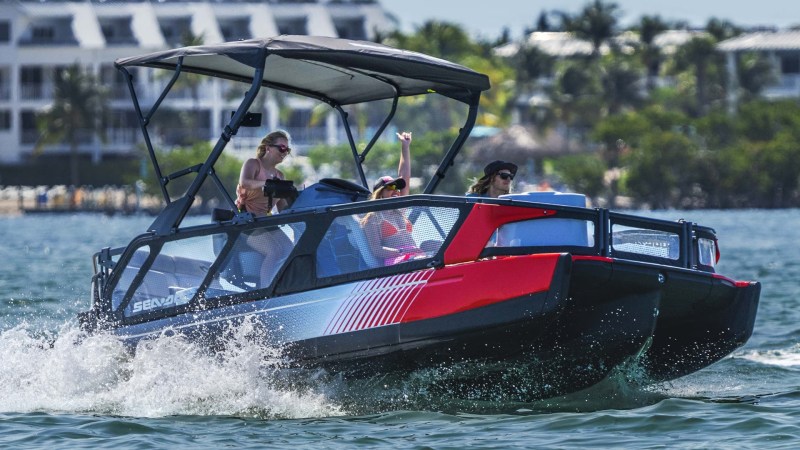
column 376, row 194
column 270, row 140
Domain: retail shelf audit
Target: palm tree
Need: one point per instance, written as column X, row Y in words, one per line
column 78, row 106
column 754, row 72
column 650, row 54
column 597, row 24
column 700, row 56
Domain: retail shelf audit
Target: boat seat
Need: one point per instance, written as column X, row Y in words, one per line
column 359, row 239
column 243, row 267
column 344, row 249
column 329, row 191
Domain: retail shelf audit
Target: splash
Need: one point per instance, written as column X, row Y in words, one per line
column 70, row 372
column 789, row 357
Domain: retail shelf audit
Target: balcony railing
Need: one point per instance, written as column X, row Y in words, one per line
column 36, row 91
column 788, row 86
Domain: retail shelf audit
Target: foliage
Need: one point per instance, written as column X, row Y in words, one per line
column 382, row 159
column 700, row 58
column 78, row 107
column 597, row 23
column 660, row 172
column 450, row 41
column 676, row 143
column 583, row 173
column 227, row 169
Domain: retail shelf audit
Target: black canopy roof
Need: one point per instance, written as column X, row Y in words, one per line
column 339, row 71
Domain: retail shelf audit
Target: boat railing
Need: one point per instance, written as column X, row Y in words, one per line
column 221, row 263
column 600, row 232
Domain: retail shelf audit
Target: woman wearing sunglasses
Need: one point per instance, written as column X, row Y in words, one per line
column 274, row 148
column 274, row 244
column 496, row 180
column 389, row 232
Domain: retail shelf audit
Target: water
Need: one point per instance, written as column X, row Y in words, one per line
column 59, row 390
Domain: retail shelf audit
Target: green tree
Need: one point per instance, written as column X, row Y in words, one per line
column 699, row 57
column 754, row 72
column 583, row 173
column 620, row 78
column 227, row 168
column 597, row 23
column 450, row 41
column 79, row 104
column 650, row 54
column 660, row 172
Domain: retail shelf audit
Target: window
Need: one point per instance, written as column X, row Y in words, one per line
column 544, row 232
column 790, row 64
column 5, row 120
column 30, row 79
column 351, row 28
column 235, row 28
column 5, row 83
column 292, row 26
column 255, row 259
column 43, row 33
column 117, row 30
column 345, row 248
column 5, row 32
column 30, row 134
column 647, row 242
column 173, row 278
column 176, row 29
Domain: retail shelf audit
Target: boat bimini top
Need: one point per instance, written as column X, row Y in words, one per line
column 335, row 71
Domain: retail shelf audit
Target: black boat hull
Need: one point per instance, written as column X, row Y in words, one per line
column 699, row 317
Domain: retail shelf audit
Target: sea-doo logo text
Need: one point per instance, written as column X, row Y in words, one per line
column 176, row 299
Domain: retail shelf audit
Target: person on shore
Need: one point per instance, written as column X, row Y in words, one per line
column 496, row 180
column 274, row 244
column 389, row 231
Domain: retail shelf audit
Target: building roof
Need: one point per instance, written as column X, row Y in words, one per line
column 563, row 44
column 82, row 21
column 761, row 41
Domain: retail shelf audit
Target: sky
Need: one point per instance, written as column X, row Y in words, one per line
column 487, row 19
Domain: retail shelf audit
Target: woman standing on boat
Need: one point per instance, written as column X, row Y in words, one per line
column 389, row 232
column 496, row 180
column 275, row 244
column 274, row 148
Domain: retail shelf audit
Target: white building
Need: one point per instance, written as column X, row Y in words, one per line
column 782, row 50
column 39, row 37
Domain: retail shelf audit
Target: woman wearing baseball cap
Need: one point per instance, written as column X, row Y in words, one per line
column 389, row 231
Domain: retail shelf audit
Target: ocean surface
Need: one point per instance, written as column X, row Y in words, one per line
column 60, row 390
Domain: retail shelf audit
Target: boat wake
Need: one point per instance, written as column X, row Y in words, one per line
column 70, row 372
column 789, row 357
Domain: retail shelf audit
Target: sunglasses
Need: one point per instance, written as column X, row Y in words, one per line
column 282, row 148
column 391, row 187
column 506, row 176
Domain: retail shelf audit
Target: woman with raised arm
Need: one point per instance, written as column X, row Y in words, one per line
column 388, row 232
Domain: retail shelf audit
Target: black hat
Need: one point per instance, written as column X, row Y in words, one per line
column 400, row 182
column 496, row 166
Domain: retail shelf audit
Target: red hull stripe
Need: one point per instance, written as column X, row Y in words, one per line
column 462, row 287
column 433, row 293
column 738, row 284
column 376, row 302
column 592, row 258
column 481, row 222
